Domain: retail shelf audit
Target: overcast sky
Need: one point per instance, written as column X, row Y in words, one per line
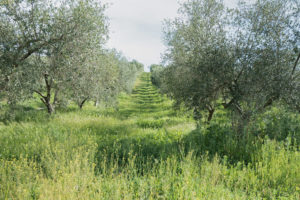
column 136, row 27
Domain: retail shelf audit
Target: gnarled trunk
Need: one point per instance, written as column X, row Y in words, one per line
column 50, row 108
column 47, row 99
column 81, row 104
column 210, row 115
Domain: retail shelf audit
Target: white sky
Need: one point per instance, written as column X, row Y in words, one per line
column 136, row 27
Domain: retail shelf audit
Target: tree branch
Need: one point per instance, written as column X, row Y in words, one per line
column 48, row 85
column 39, row 93
column 270, row 101
column 33, row 50
column 227, row 105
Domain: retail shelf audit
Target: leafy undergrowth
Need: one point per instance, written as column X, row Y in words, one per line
column 146, row 150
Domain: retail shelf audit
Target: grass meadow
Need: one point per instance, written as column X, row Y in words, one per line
column 145, row 150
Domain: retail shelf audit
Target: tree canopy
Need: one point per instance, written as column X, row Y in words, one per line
column 243, row 59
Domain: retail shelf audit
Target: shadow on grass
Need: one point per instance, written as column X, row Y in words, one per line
column 209, row 141
column 155, row 149
column 21, row 113
column 145, row 150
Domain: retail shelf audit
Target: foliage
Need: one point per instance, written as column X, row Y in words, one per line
column 243, row 59
column 128, row 73
column 155, row 74
column 52, row 40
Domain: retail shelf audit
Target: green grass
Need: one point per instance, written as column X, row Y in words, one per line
column 145, row 150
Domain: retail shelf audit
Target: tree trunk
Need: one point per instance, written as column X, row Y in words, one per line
column 210, row 115
column 47, row 103
column 50, row 108
column 47, row 99
column 96, row 103
column 81, row 104
column 56, row 100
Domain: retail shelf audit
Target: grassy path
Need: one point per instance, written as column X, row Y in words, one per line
column 145, row 101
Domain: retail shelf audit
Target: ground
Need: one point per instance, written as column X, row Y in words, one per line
column 143, row 150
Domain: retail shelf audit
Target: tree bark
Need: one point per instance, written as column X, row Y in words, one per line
column 81, row 104
column 47, row 103
column 96, row 103
column 56, row 100
column 50, row 108
column 47, row 99
column 210, row 115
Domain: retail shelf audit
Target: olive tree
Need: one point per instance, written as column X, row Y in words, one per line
column 266, row 49
column 98, row 82
column 156, row 71
column 53, row 40
column 244, row 59
column 198, row 58
column 103, row 77
column 28, row 27
column 129, row 71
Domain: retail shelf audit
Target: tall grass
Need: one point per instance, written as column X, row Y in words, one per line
column 146, row 150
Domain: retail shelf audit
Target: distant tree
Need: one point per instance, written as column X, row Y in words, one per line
column 128, row 73
column 101, row 78
column 104, row 80
column 155, row 74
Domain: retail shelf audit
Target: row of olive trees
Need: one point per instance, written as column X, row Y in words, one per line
column 55, row 49
column 243, row 59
